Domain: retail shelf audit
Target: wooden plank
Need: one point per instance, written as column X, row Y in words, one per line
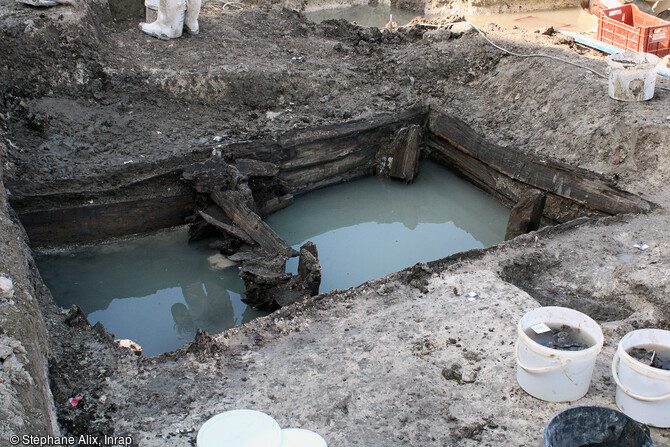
column 406, row 153
column 256, row 168
column 561, row 179
column 243, row 217
column 298, row 178
column 352, row 174
column 318, row 153
column 337, row 142
column 98, row 222
column 503, row 188
column 229, row 229
column 470, row 168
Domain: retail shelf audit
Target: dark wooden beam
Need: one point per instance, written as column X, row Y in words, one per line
column 228, row 229
column 98, row 222
column 526, row 214
column 557, row 178
column 249, row 222
column 405, row 152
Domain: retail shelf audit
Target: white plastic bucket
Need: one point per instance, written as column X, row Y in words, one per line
column 551, row 374
column 643, row 392
column 298, row 437
column 632, row 76
column 240, row 428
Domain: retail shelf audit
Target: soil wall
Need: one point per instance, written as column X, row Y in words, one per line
column 26, row 403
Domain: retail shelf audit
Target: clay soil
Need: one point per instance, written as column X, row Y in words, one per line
column 90, row 103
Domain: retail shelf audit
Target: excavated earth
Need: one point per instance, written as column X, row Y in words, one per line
column 90, row 104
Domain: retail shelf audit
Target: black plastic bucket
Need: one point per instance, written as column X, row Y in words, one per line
column 595, row 426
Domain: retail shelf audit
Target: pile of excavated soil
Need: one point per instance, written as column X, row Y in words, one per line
column 115, row 100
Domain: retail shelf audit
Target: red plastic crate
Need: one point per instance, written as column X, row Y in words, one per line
column 629, row 28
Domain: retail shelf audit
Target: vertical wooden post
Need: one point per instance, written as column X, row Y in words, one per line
column 526, row 214
column 405, row 163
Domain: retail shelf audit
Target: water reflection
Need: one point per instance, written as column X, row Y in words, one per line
column 157, row 290
column 207, row 306
column 372, row 227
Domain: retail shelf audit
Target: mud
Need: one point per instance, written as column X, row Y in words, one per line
column 656, row 358
column 564, row 338
column 91, row 105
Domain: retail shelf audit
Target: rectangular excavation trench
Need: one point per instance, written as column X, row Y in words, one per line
column 158, row 290
column 316, row 159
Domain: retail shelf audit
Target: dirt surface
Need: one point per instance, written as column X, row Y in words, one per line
column 404, row 360
column 26, row 403
column 114, row 102
column 90, row 103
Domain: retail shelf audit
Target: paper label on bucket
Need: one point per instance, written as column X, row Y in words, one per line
column 540, row 328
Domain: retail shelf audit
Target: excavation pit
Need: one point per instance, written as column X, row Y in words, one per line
column 101, row 122
column 158, row 290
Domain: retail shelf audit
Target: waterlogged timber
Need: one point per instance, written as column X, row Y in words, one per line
column 158, row 290
column 59, row 213
column 299, row 162
column 506, row 172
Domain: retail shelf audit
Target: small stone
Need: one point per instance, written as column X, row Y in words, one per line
column 453, row 373
column 547, row 31
column 6, row 288
column 462, row 28
column 437, row 35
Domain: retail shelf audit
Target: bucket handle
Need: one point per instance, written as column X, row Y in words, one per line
column 615, row 374
column 542, row 370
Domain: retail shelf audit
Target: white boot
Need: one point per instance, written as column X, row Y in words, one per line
column 170, row 20
column 191, row 16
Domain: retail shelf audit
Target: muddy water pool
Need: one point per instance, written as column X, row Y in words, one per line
column 572, row 19
column 372, row 227
column 158, row 289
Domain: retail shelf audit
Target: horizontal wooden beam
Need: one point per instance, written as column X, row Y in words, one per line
column 98, row 222
column 557, row 178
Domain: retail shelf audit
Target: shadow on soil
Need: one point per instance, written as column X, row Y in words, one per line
column 536, row 276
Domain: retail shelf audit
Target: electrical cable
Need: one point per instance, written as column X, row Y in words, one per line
column 483, row 34
column 542, row 55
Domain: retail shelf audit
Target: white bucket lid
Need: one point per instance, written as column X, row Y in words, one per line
column 298, row 437
column 240, row 428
